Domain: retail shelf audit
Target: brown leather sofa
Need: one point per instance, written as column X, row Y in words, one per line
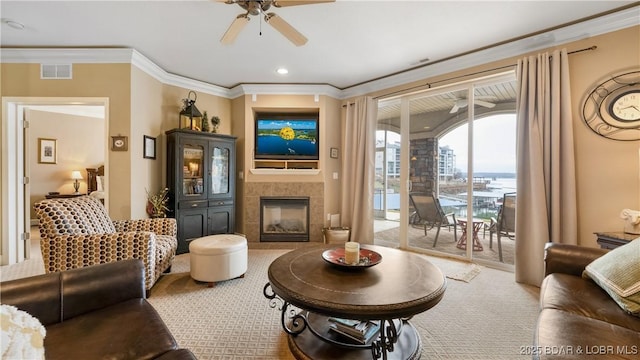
column 95, row 312
column 577, row 318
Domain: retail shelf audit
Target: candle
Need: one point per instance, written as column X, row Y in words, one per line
column 351, row 253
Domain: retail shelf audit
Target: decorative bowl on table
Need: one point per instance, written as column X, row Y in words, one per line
column 368, row 258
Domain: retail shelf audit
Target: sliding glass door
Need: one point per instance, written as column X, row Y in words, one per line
column 455, row 148
column 387, row 196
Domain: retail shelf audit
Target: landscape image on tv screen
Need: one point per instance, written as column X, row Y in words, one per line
column 290, row 138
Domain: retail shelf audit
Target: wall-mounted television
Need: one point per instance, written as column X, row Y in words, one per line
column 287, row 136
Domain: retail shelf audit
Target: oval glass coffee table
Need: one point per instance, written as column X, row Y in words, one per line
column 309, row 291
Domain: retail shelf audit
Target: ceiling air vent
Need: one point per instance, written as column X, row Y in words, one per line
column 55, row 71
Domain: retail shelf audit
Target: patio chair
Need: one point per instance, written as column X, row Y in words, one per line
column 505, row 224
column 429, row 214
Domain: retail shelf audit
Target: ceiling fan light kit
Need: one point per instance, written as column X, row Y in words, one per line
column 257, row 7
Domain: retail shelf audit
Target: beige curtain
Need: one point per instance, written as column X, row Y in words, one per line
column 358, row 166
column 546, row 203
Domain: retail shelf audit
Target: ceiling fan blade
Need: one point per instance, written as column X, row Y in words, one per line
column 459, row 104
column 283, row 3
column 234, row 29
column 285, row 29
column 485, row 103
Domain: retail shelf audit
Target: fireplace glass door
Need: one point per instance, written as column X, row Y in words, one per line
column 284, row 219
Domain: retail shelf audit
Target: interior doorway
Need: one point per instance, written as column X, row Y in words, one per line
column 17, row 164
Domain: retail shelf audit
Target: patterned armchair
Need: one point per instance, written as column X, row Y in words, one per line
column 77, row 232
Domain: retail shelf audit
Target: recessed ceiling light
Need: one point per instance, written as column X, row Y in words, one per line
column 14, row 24
column 282, row 71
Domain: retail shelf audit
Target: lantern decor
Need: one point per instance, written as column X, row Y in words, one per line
column 190, row 116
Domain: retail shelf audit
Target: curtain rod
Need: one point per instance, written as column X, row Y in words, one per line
column 428, row 85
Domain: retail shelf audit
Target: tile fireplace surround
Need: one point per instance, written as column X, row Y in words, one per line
column 254, row 190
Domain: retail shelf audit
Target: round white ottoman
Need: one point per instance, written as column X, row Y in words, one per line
column 218, row 257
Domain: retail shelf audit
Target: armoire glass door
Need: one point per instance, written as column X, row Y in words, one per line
column 220, row 170
column 193, row 170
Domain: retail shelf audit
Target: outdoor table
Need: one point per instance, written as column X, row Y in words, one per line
column 477, row 225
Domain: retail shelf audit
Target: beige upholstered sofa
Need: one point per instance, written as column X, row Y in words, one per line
column 77, row 232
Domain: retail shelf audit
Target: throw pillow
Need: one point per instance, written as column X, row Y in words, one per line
column 22, row 334
column 618, row 273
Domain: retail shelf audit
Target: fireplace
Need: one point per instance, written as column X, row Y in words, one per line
column 284, row 218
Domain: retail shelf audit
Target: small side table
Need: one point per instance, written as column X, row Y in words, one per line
column 477, row 225
column 611, row 240
column 62, row 196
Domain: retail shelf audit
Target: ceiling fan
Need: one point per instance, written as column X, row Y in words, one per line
column 257, row 7
column 478, row 100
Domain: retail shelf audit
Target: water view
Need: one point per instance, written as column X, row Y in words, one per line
column 486, row 202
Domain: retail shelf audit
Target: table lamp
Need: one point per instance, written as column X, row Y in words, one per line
column 76, row 176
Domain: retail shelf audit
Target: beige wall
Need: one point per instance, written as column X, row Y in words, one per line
column 89, row 80
column 333, row 139
column 155, row 109
column 80, row 145
column 608, row 170
column 146, row 119
column 238, row 130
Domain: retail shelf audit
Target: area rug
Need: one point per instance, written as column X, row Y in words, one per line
column 467, row 274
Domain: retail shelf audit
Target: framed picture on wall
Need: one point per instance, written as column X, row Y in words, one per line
column 149, row 147
column 47, row 151
column 119, row 143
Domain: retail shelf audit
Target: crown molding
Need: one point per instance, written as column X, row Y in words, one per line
column 597, row 26
column 285, row 89
column 66, row 55
column 134, row 57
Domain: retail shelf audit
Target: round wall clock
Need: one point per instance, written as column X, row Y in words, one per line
column 626, row 105
column 612, row 108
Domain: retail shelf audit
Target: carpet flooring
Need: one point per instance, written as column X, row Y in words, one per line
column 488, row 317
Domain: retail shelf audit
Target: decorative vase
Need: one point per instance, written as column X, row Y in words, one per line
column 215, row 122
column 205, row 122
column 154, row 213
